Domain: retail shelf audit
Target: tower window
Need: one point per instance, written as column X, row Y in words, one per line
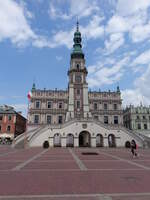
column 49, row 119
column 36, row 119
column 105, row 119
column 78, row 104
column 78, row 91
column 78, row 66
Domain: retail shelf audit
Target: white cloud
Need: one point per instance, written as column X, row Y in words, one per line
column 143, row 58
column 131, row 18
column 134, row 97
column 141, row 91
column 142, row 83
column 140, row 33
column 128, row 7
column 117, row 24
column 115, row 41
column 93, row 30
column 59, row 58
column 13, row 23
column 107, row 75
column 77, row 8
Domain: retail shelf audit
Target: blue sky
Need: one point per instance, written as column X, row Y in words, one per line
column 36, row 38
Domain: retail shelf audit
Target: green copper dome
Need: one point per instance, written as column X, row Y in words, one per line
column 77, row 47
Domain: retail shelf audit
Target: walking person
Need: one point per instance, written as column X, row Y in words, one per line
column 133, row 148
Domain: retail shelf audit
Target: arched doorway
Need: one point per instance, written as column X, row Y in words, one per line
column 127, row 144
column 84, row 139
column 57, row 140
column 70, row 140
column 99, row 140
column 111, row 140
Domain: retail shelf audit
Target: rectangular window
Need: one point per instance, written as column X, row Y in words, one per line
column 60, row 119
column 95, row 106
column 115, row 119
column 60, row 105
column 0, row 128
column 49, row 119
column 105, row 106
column 78, row 91
column 96, row 117
column 36, row 119
column 9, row 117
column 8, row 128
column 49, row 104
column 139, row 126
column 1, row 117
column 78, row 104
column 145, row 126
column 115, row 106
column 144, row 117
column 105, row 119
column 137, row 117
column 37, row 104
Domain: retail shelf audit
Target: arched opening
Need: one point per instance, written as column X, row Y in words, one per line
column 99, row 140
column 84, row 139
column 57, row 140
column 46, row 144
column 70, row 140
column 127, row 144
column 111, row 140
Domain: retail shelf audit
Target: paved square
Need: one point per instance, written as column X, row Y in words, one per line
column 67, row 174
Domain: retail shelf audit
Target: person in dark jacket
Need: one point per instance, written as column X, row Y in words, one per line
column 133, row 148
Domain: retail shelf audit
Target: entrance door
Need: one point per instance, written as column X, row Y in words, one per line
column 84, row 139
column 80, row 140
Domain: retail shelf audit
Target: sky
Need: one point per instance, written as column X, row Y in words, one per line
column 36, row 39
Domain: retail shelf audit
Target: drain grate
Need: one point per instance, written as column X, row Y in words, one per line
column 89, row 153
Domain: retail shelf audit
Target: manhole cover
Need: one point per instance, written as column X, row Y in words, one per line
column 89, row 153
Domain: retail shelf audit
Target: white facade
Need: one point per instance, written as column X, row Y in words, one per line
column 77, row 117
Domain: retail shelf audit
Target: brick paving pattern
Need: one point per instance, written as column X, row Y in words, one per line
column 67, row 174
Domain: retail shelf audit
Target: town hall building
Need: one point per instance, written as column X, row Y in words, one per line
column 76, row 117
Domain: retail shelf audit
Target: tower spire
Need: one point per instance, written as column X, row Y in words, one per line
column 77, row 25
column 77, row 46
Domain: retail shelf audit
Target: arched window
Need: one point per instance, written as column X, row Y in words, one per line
column 70, row 140
column 99, row 140
column 57, row 140
column 111, row 140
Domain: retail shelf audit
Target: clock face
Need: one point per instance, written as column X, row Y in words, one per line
column 78, row 78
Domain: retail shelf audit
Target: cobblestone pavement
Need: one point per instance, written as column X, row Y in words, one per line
column 68, row 174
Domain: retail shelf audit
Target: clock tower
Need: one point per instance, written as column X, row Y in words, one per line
column 78, row 88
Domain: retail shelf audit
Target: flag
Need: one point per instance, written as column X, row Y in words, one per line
column 29, row 95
